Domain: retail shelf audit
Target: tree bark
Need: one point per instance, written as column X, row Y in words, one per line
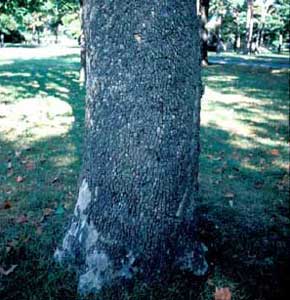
column 135, row 211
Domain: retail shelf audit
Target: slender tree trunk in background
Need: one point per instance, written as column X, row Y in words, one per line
column 280, row 42
column 56, row 34
column 237, row 42
column 203, row 12
column 82, row 46
column 260, row 39
column 237, row 45
column 249, row 26
column 135, row 211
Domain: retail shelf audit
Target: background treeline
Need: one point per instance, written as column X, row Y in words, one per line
column 241, row 25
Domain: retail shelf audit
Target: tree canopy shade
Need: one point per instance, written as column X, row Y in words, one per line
column 135, row 212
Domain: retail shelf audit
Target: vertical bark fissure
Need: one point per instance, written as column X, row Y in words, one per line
column 142, row 140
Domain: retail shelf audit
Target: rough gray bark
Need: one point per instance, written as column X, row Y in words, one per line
column 136, row 206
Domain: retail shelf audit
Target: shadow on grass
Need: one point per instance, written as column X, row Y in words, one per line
column 49, row 168
column 244, row 216
column 244, row 212
column 244, row 180
column 274, row 60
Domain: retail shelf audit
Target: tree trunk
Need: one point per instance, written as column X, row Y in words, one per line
column 249, row 27
column 260, row 39
column 56, row 34
column 203, row 6
column 82, row 46
column 135, row 211
column 280, row 42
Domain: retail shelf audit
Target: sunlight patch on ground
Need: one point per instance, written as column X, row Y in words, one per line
column 54, row 86
column 64, row 160
column 13, row 74
column 36, row 53
column 224, row 117
column 228, row 111
column 6, row 62
column 4, row 90
column 35, row 118
column 224, row 78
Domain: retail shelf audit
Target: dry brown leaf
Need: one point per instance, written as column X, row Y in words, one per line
column 275, row 152
column 222, row 294
column 6, row 205
column 7, row 272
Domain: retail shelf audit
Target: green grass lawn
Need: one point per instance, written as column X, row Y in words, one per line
column 243, row 181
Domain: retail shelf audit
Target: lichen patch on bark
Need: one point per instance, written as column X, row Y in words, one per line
column 84, row 199
column 98, row 268
column 76, row 229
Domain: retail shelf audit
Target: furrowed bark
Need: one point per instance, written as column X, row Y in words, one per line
column 136, row 205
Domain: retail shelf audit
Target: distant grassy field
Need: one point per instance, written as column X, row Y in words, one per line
column 243, row 174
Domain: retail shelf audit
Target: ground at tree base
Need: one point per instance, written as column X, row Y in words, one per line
column 244, row 183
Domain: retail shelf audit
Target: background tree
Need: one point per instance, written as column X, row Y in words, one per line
column 203, row 9
column 135, row 211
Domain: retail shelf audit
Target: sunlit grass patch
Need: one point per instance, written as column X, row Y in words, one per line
column 36, row 118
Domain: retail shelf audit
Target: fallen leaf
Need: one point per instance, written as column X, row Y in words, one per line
column 21, row 219
column 6, row 205
column 222, row 294
column 19, row 179
column 275, row 152
column 7, row 272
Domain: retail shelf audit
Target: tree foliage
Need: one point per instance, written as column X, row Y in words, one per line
column 270, row 19
column 24, row 16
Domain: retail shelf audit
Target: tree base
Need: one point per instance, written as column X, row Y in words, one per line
column 96, row 268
